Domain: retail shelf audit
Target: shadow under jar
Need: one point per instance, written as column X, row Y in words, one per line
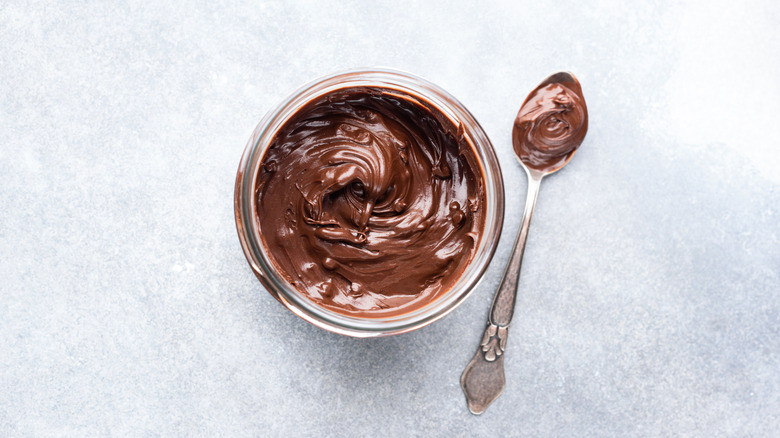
column 369, row 203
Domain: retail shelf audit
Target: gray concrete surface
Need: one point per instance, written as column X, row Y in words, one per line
column 650, row 302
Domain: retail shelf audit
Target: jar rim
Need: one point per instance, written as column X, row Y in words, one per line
column 248, row 227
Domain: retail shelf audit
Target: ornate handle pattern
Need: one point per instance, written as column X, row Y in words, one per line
column 493, row 341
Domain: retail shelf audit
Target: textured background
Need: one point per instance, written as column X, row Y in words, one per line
column 650, row 300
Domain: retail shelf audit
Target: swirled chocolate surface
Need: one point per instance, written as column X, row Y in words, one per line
column 370, row 202
column 551, row 124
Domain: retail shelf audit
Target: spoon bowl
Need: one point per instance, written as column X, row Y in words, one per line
column 551, row 124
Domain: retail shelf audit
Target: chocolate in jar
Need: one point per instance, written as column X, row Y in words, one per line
column 370, row 202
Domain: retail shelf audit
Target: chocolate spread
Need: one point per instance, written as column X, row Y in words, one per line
column 551, row 125
column 370, row 202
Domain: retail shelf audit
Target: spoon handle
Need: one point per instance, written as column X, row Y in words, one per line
column 483, row 379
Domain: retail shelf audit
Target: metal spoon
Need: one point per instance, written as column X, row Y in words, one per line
column 549, row 128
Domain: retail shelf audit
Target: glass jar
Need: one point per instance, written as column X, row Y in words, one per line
column 249, row 230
